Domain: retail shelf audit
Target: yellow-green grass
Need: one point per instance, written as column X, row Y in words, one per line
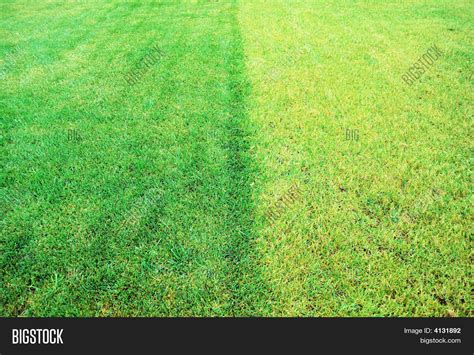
column 382, row 226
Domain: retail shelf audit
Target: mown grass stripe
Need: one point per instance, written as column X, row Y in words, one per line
column 88, row 241
column 246, row 284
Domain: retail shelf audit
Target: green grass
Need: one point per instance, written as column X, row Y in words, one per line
column 158, row 209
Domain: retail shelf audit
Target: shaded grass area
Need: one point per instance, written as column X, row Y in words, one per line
column 147, row 212
column 249, row 292
column 382, row 225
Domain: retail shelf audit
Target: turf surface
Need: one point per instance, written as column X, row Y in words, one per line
column 154, row 199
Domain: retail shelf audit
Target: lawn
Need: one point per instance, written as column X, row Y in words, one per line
column 267, row 159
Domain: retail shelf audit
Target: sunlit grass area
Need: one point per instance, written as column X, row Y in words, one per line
column 266, row 159
column 381, row 228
